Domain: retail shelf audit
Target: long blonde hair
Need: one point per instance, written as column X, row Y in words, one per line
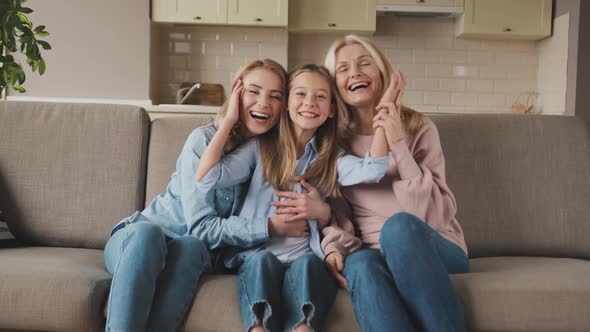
column 279, row 155
column 237, row 135
column 411, row 119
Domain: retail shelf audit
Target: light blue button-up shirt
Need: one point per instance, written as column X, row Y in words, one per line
column 211, row 216
column 245, row 163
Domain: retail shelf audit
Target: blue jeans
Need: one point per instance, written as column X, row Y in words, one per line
column 154, row 277
column 282, row 296
column 406, row 286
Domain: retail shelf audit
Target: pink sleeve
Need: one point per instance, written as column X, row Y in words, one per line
column 339, row 234
column 422, row 189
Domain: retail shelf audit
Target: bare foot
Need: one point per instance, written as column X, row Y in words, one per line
column 257, row 328
column 302, row 328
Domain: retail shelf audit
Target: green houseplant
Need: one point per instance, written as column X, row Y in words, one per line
column 17, row 33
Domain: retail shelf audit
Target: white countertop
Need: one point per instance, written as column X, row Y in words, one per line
column 174, row 108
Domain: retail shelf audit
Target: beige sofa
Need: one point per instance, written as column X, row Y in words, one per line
column 68, row 172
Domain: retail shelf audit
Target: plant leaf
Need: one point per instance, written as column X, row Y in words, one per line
column 44, row 44
column 25, row 10
column 39, row 28
column 41, row 64
column 23, row 18
column 42, row 34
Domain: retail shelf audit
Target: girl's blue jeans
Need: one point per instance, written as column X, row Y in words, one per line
column 154, row 277
column 283, row 296
column 406, row 286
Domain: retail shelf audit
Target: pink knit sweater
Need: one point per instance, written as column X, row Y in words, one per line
column 414, row 183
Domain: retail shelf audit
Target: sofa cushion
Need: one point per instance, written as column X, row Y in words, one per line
column 216, row 308
column 52, row 289
column 69, row 172
column 522, row 183
column 526, row 294
column 499, row 294
column 167, row 137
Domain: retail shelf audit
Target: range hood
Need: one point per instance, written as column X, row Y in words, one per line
column 414, row 10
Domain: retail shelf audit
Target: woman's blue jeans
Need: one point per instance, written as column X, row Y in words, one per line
column 282, row 296
column 406, row 286
column 154, row 277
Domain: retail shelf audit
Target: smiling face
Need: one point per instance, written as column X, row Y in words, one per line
column 262, row 100
column 358, row 78
column 309, row 101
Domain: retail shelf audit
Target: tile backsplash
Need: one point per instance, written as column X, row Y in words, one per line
column 444, row 74
column 211, row 54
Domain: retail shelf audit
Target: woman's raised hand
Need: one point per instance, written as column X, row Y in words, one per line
column 389, row 109
column 233, row 107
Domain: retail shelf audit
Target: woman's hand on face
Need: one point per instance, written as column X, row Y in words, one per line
column 233, row 107
column 389, row 109
column 335, row 263
column 303, row 206
column 278, row 226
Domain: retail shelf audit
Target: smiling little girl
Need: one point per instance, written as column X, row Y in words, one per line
column 306, row 150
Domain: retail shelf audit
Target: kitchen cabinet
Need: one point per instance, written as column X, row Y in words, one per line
column 258, row 12
column 505, row 19
column 332, row 15
column 454, row 3
column 221, row 12
column 201, row 11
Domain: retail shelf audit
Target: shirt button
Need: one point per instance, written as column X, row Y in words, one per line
column 227, row 198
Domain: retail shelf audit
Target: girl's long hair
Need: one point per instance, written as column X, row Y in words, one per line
column 279, row 155
column 237, row 135
column 411, row 119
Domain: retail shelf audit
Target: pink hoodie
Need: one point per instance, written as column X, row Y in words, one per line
column 414, row 183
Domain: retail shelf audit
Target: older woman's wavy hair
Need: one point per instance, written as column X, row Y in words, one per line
column 237, row 135
column 411, row 119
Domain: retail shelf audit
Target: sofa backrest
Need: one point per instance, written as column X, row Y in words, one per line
column 69, row 172
column 522, row 183
column 167, row 138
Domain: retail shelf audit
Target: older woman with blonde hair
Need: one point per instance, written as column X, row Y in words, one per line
column 410, row 241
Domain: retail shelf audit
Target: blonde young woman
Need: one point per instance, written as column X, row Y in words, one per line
column 283, row 284
column 157, row 256
column 409, row 237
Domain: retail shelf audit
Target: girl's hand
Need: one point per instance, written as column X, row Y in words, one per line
column 233, row 107
column 335, row 263
column 389, row 110
column 303, row 206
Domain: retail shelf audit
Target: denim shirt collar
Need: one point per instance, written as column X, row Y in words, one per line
column 312, row 144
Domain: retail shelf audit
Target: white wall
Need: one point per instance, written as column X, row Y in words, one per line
column 100, row 50
column 552, row 75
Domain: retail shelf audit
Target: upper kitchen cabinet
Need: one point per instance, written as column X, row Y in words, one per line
column 190, row 11
column 505, row 19
column 332, row 15
column 453, row 3
column 258, row 12
column 201, row 11
column 221, row 12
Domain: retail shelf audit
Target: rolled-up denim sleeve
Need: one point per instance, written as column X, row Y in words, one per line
column 354, row 170
column 200, row 212
column 233, row 168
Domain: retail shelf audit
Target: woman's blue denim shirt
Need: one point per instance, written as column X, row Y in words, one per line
column 245, row 163
column 211, row 216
